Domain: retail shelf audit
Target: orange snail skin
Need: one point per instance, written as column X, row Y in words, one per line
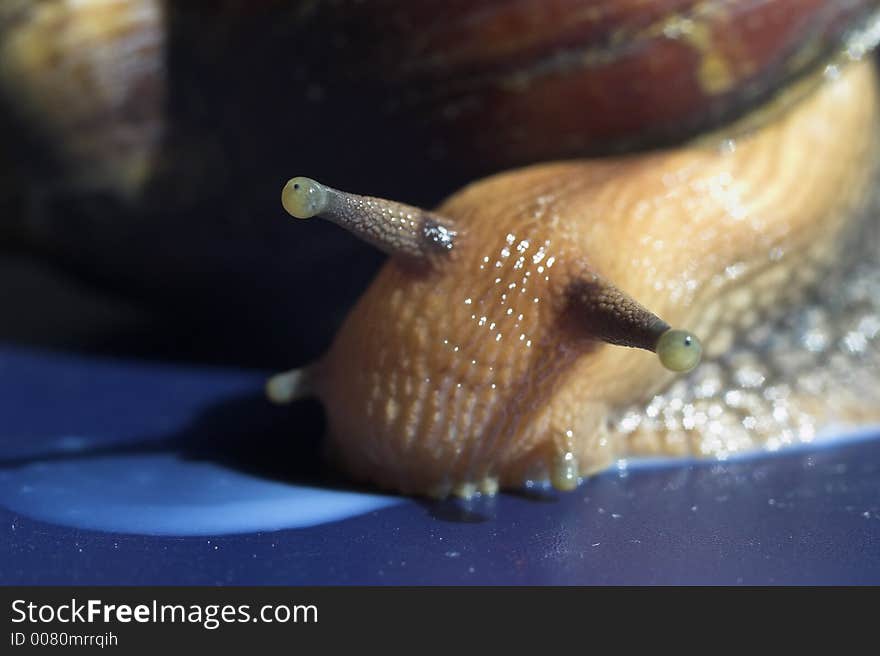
column 491, row 349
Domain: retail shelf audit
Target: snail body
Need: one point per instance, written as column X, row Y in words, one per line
column 497, row 361
column 160, row 183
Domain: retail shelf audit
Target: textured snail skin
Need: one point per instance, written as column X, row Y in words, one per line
column 474, row 374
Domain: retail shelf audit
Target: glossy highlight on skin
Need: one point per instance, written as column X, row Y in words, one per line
column 474, row 376
column 604, row 312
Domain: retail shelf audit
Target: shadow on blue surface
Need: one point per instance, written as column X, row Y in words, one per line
column 132, row 472
column 237, row 465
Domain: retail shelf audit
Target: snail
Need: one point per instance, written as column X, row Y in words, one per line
column 752, row 241
column 487, row 353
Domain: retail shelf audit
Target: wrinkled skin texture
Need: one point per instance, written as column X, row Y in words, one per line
column 472, row 372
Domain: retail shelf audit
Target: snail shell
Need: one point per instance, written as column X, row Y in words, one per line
column 497, row 84
column 86, row 81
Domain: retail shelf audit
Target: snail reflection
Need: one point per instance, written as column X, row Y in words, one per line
column 732, row 200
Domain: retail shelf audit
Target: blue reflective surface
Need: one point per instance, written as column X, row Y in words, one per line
column 160, row 494
column 125, row 471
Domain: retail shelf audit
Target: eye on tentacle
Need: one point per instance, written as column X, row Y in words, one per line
column 393, row 227
column 602, row 311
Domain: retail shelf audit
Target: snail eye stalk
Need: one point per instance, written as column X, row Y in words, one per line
column 601, row 311
column 393, row 227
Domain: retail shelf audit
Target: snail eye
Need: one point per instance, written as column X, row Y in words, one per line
column 679, row 350
column 304, row 197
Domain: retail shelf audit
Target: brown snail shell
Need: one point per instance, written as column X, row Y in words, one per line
column 505, row 83
column 133, row 92
column 86, row 80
